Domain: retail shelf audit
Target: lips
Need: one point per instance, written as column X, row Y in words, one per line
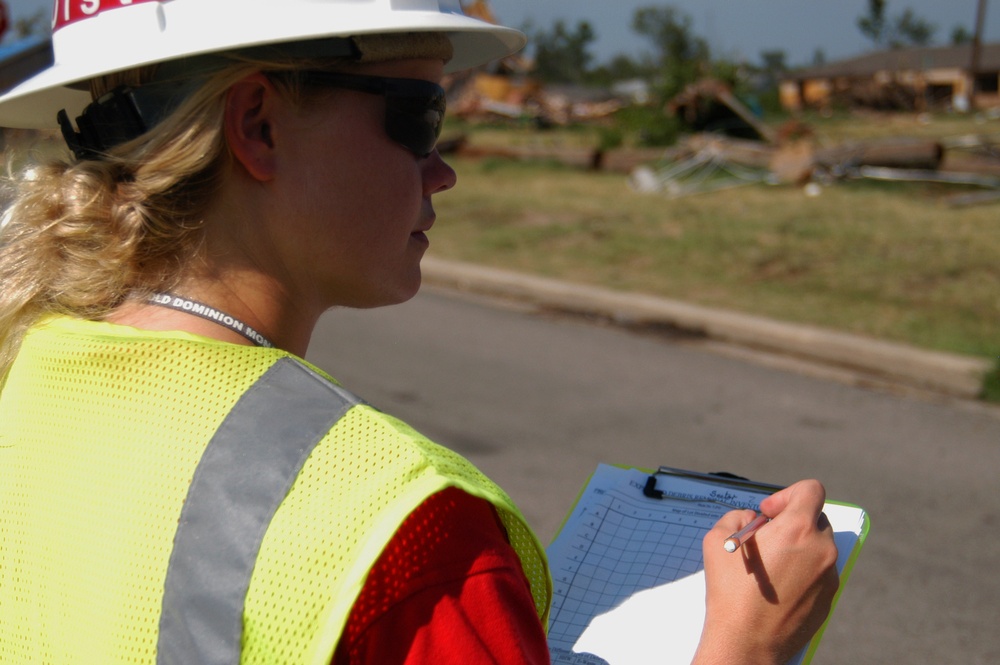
column 425, row 224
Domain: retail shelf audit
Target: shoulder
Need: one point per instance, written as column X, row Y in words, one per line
column 448, row 587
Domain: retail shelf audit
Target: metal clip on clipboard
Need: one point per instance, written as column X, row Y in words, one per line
column 721, row 477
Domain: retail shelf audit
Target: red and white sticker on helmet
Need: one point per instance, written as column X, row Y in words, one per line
column 71, row 11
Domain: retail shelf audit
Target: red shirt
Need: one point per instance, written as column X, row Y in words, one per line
column 447, row 589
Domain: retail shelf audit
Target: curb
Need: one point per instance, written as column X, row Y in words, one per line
column 946, row 373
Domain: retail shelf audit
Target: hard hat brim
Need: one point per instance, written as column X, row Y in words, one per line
column 35, row 102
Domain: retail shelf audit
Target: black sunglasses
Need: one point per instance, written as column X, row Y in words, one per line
column 414, row 108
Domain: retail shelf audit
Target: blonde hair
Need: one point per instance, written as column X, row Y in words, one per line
column 83, row 236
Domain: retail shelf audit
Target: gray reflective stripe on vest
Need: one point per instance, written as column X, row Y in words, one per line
column 243, row 476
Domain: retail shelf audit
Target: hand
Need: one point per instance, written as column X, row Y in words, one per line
column 765, row 601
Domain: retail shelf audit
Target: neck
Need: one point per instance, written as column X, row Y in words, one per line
column 261, row 309
column 236, row 271
column 209, row 313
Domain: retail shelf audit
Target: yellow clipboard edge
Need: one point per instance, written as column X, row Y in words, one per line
column 579, row 495
column 844, row 574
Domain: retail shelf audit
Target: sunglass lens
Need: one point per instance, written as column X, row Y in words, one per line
column 416, row 132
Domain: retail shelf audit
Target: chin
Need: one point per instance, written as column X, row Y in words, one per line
column 390, row 294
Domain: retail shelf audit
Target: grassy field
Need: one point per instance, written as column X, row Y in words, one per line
column 889, row 260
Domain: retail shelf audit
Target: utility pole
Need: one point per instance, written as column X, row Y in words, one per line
column 977, row 47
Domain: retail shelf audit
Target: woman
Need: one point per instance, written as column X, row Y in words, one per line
column 176, row 484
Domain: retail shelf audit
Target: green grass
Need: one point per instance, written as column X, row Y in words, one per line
column 991, row 386
column 844, row 127
column 888, row 260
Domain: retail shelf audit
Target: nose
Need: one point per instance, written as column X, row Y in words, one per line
column 438, row 174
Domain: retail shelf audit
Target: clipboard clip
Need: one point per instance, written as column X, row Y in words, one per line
column 721, row 477
column 650, row 489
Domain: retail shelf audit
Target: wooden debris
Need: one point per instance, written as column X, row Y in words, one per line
column 891, row 153
column 794, row 162
column 710, row 104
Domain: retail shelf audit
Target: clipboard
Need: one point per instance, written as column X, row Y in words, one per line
column 627, row 563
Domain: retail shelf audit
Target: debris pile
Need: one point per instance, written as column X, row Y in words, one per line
column 487, row 97
column 704, row 163
column 731, row 146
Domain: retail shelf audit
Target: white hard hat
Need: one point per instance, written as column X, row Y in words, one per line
column 95, row 37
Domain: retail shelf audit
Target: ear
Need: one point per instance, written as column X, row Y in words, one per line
column 249, row 124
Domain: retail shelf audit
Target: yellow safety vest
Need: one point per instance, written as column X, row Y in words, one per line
column 166, row 498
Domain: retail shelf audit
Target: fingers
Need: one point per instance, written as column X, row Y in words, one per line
column 801, row 503
column 805, row 498
column 734, row 520
column 727, row 525
column 779, row 591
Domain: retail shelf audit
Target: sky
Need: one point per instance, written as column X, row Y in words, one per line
column 741, row 29
column 736, row 29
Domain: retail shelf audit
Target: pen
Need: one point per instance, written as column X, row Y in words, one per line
column 734, row 541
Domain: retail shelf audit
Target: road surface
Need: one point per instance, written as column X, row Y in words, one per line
column 538, row 401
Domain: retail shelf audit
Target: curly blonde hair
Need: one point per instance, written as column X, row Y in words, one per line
column 81, row 237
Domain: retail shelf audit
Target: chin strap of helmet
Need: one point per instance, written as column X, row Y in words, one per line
column 119, row 116
column 106, row 122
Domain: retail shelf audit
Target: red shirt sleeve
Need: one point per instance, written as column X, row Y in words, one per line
column 448, row 588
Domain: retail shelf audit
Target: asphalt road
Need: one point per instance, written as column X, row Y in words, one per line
column 538, row 401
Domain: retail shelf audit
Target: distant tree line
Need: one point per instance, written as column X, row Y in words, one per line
column 563, row 54
column 676, row 55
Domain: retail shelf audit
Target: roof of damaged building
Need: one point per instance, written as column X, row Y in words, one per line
column 904, row 59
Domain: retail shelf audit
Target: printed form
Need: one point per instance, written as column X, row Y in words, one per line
column 627, row 569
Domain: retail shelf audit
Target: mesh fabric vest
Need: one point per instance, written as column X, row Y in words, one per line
column 103, row 428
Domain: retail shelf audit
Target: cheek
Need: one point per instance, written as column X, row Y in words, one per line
column 384, row 191
column 357, row 188
column 360, row 216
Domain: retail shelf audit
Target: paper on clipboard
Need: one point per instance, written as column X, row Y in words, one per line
column 627, row 569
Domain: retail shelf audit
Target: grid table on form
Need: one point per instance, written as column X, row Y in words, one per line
column 622, row 544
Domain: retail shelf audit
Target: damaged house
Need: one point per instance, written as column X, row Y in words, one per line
column 910, row 79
